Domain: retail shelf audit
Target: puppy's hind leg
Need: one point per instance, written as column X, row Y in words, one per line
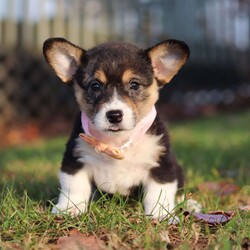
column 75, row 193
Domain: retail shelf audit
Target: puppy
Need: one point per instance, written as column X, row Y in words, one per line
column 122, row 144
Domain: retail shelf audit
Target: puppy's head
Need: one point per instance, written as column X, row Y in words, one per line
column 116, row 84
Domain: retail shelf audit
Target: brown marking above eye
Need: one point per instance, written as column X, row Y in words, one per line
column 100, row 75
column 127, row 76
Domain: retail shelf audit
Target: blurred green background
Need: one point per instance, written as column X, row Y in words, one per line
column 216, row 79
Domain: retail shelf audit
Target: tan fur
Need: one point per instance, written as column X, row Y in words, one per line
column 65, row 58
column 127, row 76
column 145, row 107
column 141, row 108
column 78, row 93
column 100, row 75
column 131, row 104
column 167, row 61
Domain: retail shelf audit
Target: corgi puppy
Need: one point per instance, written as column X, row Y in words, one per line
column 118, row 142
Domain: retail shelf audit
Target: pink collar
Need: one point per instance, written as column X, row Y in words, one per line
column 124, row 141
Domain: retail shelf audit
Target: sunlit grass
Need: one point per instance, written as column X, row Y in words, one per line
column 209, row 149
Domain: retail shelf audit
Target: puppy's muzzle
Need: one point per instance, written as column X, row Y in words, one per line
column 114, row 116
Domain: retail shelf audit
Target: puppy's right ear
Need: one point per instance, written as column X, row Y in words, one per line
column 63, row 56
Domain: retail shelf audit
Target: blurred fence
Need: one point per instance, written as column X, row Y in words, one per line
column 216, row 30
column 218, row 33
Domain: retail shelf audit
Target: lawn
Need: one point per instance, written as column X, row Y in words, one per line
column 210, row 149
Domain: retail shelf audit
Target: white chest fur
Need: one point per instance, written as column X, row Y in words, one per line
column 112, row 175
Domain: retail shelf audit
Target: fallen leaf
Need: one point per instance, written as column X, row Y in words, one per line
column 244, row 208
column 77, row 240
column 243, row 199
column 212, row 218
column 10, row 245
column 220, row 188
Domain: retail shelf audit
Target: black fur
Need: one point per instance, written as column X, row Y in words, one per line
column 70, row 165
column 168, row 171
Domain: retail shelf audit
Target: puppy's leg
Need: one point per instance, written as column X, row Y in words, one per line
column 75, row 193
column 159, row 200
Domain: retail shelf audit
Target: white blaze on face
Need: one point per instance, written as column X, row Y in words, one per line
column 128, row 121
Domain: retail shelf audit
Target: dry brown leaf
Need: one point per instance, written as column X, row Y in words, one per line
column 77, row 240
column 243, row 199
column 220, row 188
column 244, row 208
column 10, row 246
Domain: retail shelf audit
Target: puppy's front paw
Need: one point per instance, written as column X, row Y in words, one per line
column 173, row 220
column 73, row 210
column 166, row 215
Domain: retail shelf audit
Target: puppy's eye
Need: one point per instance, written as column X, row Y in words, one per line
column 95, row 86
column 134, row 85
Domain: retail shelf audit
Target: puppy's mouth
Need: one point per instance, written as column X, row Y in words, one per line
column 115, row 129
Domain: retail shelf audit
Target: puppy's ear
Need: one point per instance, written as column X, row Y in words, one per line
column 63, row 56
column 167, row 58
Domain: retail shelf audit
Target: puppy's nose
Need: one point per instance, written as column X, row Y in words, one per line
column 114, row 116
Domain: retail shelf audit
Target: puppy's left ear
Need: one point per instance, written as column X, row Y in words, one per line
column 167, row 58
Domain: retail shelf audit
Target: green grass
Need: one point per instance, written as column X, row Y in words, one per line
column 207, row 146
column 212, row 149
